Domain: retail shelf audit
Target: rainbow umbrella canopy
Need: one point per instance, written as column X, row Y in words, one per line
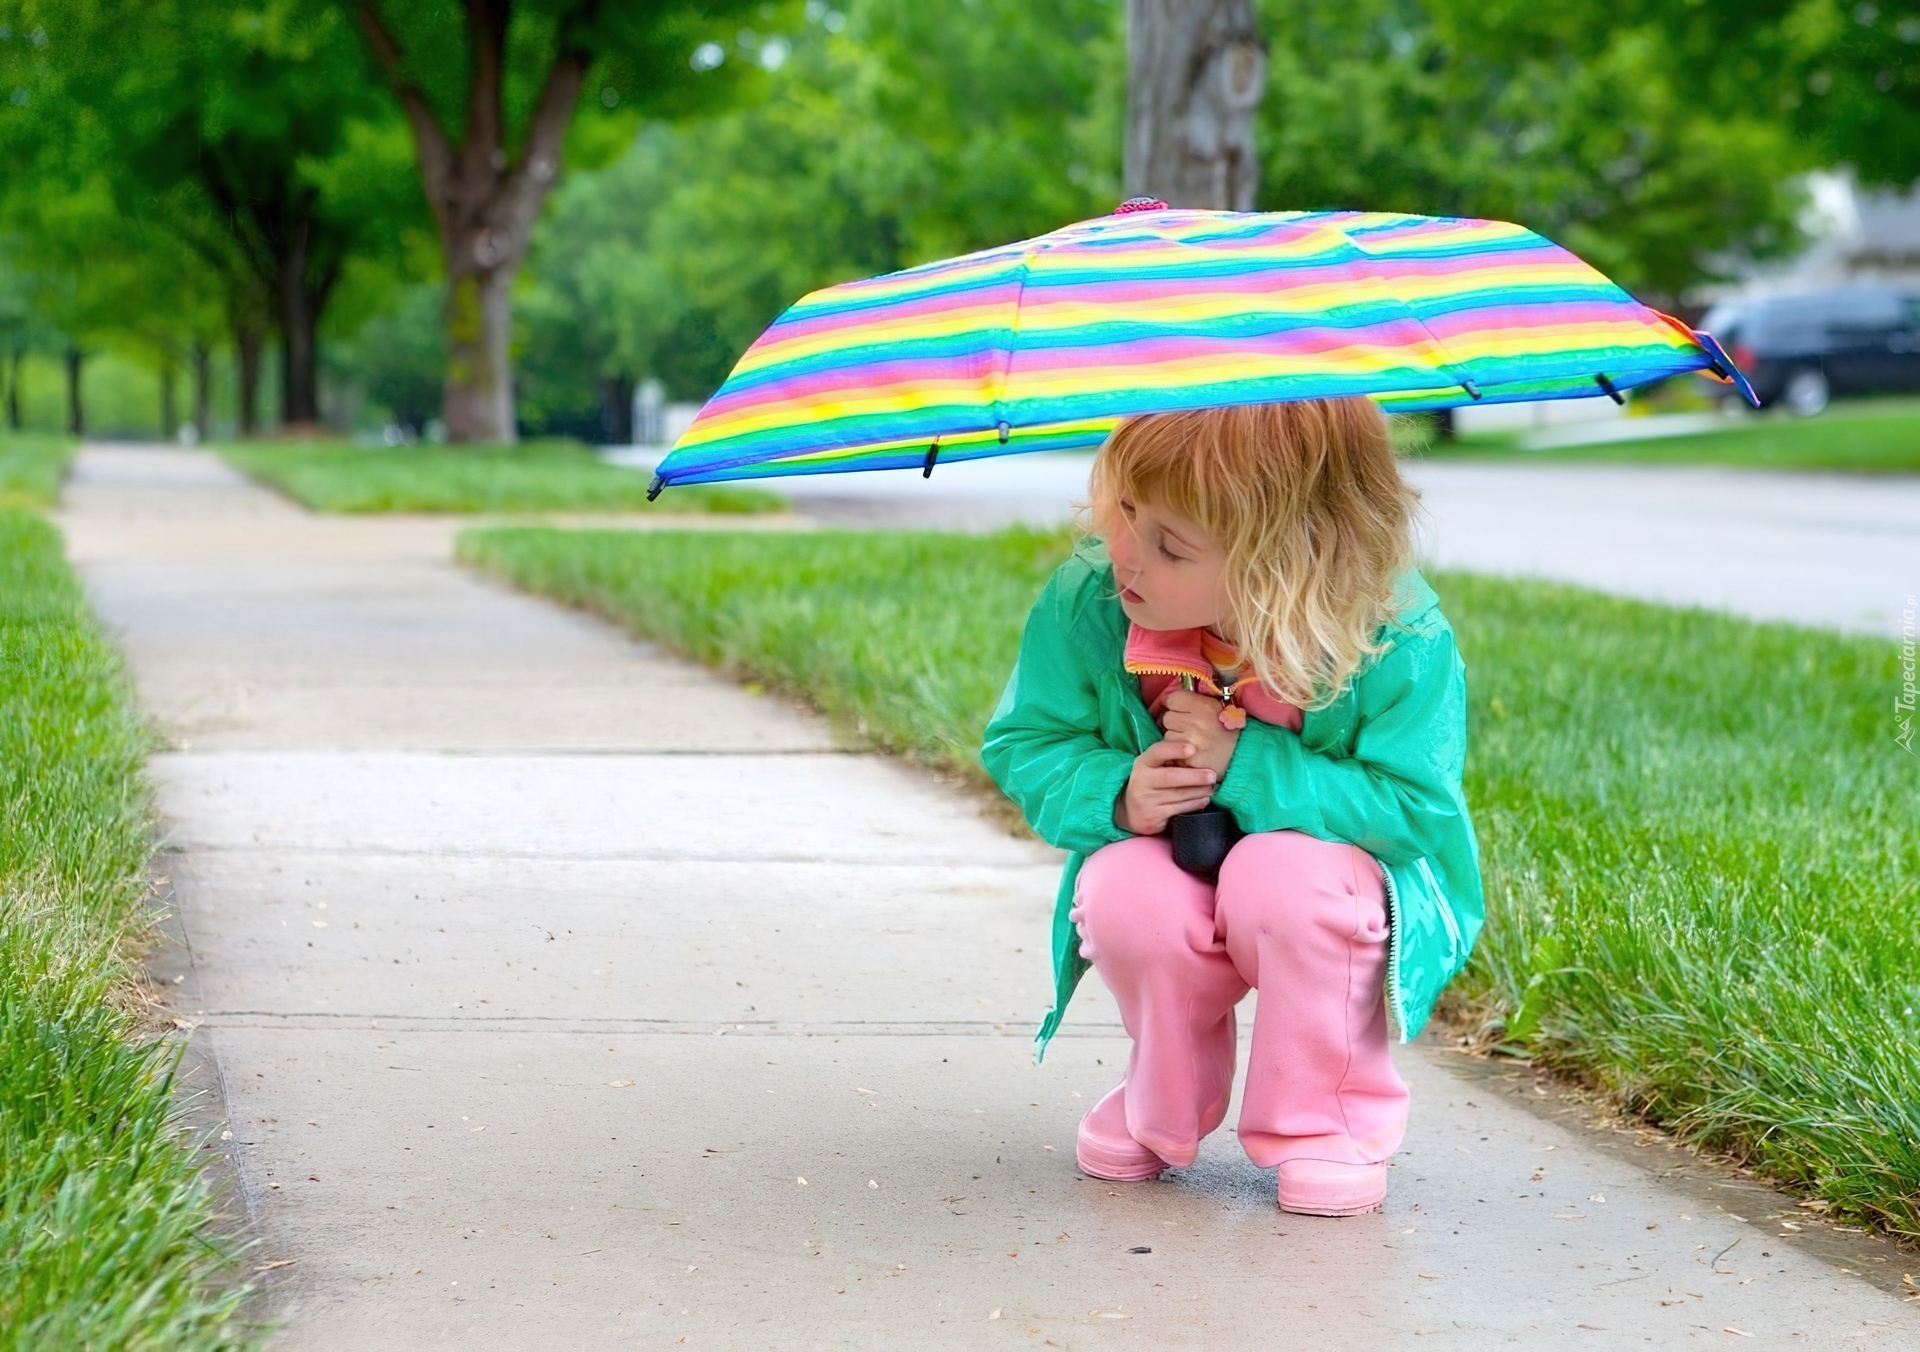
column 1046, row 344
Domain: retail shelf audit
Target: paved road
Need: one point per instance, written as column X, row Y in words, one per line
column 563, row 996
column 1840, row 551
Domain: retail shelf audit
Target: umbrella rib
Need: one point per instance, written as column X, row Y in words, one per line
column 998, row 389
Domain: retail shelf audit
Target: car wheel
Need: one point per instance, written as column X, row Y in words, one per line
column 1807, row 391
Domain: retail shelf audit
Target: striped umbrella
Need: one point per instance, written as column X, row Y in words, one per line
column 1046, row 344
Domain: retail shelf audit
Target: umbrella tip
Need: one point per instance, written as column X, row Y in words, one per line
column 1133, row 204
column 653, row 489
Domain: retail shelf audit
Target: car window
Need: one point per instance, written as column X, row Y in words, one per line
column 1787, row 328
column 1817, row 321
column 1721, row 320
column 1865, row 309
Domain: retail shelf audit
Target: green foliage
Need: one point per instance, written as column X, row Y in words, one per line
column 399, row 358
column 920, row 130
column 31, row 467
column 1644, row 134
column 535, row 476
column 183, row 170
column 602, row 304
column 1842, row 75
column 102, row 1211
column 1597, row 139
column 1696, row 831
column 150, row 147
column 640, row 53
column 888, row 136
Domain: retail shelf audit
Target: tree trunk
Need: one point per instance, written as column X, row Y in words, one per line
column 477, row 402
column 169, row 407
column 202, row 391
column 299, row 349
column 13, row 389
column 246, row 347
column 1195, row 72
column 616, row 410
column 76, row 414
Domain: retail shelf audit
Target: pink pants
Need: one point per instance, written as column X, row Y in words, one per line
column 1301, row 919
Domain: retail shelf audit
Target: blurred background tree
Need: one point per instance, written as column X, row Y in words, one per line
column 887, row 134
column 244, row 132
column 489, row 89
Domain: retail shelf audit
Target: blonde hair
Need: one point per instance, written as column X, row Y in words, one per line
column 1306, row 501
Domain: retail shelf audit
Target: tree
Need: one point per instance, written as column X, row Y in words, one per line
column 1195, row 72
column 489, row 92
column 246, row 129
column 268, row 115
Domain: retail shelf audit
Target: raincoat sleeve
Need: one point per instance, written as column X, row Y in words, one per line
column 1396, row 795
column 1043, row 745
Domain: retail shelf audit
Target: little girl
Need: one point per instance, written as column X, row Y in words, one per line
column 1245, row 630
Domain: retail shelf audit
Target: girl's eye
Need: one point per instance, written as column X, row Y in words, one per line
column 1169, row 554
column 1126, row 509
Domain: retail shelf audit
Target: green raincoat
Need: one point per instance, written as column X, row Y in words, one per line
column 1379, row 767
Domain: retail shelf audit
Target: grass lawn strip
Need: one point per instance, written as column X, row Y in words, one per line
column 31, row 466
column 102, row 1213
column 537, row 476
column 1869, row 437
column 1696, row 831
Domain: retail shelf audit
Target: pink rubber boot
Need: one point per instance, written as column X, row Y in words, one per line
column 1305, row 921
column 1147, row 926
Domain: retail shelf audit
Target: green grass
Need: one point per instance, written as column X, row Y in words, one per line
column 1881, row 436
column 102, row 1214
column 31, row 465
column 1697, row 832
column 537, row 476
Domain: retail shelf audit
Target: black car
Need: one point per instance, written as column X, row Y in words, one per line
column 1801, row 350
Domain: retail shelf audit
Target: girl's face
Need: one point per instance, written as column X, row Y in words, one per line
column 1169, row 572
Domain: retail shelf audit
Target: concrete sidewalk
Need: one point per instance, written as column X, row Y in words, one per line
column 565, row 996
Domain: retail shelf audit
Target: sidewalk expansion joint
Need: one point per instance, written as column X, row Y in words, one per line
column 260, row 1019
column 358, row 852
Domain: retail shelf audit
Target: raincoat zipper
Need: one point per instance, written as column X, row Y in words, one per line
column 1396, row 1005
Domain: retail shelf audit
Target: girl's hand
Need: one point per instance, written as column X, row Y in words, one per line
column 1195, row 718
column 1160, row 787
